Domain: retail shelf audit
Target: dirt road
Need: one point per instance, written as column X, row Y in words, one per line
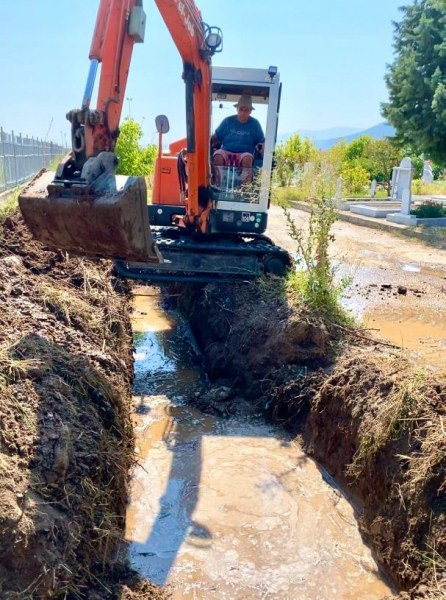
column 398, row 284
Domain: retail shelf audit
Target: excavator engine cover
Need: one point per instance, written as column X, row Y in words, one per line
column 106, row 220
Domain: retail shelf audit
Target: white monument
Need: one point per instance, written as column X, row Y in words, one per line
column 338, row 193
column 427, row 176
column 402, row 190
column 373, row 189
column 401, row 178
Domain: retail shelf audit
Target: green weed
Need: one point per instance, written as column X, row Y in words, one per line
column 314, row 282
column 8, row 207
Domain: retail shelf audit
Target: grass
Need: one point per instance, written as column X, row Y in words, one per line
column 313, row 284
column 398, row 415
column 70, row 309
column 9, row 206
column 436, row 188
column 14, row 369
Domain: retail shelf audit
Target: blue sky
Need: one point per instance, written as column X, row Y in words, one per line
column 331, row 55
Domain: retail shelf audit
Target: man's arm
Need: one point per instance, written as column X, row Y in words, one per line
column 215, row 142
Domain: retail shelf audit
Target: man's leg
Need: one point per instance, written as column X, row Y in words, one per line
column 246, row 162
column 219, row 160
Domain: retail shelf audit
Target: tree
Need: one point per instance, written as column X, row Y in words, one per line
column 294, row 153
column 417, row 79
column 380, row 156
column 355, row 177
column 133, row 158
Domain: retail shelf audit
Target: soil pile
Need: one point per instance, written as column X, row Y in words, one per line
column 363, row 412
column 66, row 443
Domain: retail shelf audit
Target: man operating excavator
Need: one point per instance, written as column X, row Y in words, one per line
column 237, row 138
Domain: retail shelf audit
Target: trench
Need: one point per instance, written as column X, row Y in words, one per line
column 229, row 508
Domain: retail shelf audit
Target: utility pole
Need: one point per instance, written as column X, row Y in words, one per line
column 129, row 100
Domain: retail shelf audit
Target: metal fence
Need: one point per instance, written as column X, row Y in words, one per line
column 21, row 157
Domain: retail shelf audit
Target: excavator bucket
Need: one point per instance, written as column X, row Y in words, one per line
column 109, row 220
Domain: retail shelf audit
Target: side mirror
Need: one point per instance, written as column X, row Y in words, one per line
column 162, row 124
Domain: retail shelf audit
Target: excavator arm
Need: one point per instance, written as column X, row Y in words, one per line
column 191, row 37
column 84, row 207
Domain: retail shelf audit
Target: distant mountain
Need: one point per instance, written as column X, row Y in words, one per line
column 323, row 134
column 378, row 132
column 327, row 138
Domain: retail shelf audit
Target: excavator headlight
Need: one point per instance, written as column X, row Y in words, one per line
column 214, row 39
column 272, row 71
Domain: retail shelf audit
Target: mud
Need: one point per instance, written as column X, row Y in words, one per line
column 66, row 441
column 236, row 509
column 373, row 420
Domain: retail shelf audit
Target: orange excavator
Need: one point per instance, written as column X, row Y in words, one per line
column 198, row 227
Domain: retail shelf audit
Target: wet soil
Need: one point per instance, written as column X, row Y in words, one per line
column 236, row 508
column 376, row 422
column 66, row 440
column 398, row 284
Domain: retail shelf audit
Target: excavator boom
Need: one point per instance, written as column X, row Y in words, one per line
column 84, row 208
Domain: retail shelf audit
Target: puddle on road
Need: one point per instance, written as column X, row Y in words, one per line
column 411, row 268
column 421, row 333
column 229, row 508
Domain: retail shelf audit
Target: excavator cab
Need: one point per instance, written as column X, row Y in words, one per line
column 241, row 201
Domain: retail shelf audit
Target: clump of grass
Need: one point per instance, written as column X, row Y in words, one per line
column 284, row 196
column 397, row 416
column 8, row 207
column 71, row 309
column 13, row 369
column 435, row 565
column 314, row 281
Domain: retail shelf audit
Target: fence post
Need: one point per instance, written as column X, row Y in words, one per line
column 42, row 154
column 21, row 159
column 2, row 155
column 15, row 157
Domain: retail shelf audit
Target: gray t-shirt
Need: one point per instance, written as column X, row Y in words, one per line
column 239, row 137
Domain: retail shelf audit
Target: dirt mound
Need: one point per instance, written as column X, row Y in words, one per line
column 375, row 423
column 387, row 443
column 249, row 334
column 66, row 443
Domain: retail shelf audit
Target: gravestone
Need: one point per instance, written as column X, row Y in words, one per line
column 405, row 202
column 402, row 190
column 373, row 189
column 338, row 193
column 427, row 176
column 402, row 178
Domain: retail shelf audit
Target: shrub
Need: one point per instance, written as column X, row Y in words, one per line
column 314, row 282
column 429, row 210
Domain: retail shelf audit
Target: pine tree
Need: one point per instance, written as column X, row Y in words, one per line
column 417, row 79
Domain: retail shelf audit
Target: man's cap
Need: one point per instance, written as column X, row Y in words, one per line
column 245, row 100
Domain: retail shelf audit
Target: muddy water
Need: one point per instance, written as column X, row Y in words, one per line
column 229, row 509
column 406, row 308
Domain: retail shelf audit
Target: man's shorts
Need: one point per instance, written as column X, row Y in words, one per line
column 232, row 159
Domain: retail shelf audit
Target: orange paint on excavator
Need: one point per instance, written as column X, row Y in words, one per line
column 85, row 209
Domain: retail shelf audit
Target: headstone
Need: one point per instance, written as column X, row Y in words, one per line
column 405, row 202
column 393, row 182
column 402, row 178
column 373, row 189
column 338, row 193
column 427, row 176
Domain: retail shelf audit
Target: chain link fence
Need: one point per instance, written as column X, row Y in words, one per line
column 21, row 157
